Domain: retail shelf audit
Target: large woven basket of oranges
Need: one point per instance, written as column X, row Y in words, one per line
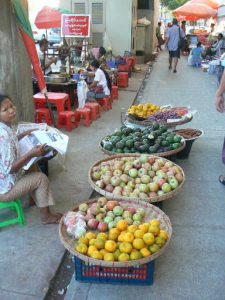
column 123, row 242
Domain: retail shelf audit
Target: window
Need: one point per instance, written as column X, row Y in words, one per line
column 97, row 39
column 143, row 4
column 79, row 8
column 97, row 13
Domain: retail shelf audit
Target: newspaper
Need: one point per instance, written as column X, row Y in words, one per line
column 22, row 127
column 52, row 137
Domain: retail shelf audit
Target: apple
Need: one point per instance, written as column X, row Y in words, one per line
column 142, row 171
column 143, row 158
column 106, row 179
column 93, row 224
column 137, row 217
column 117, row 219
column 143, row 188
column 152, row 194
column 100, row 184
column 179, row 177
column 151, row 160
column 173, row 182
column 131, row 184
column 83, row 207
column 155, row 178
column 165, row 169
column 160, row 193
column 127, row 188
column 137, row 164
column 118, row 188
column 137, row 223
column 137, row 180
column 145, row 178
column 108, row 173
column 102, row 227
column 117, row 172
column 151, row 173
column 155, row 167
column 108, row 219
column 161, row 181
column 103, row 210
column 99, row 217
column 89, row 216
column 131, row 210
column 160, row 162
column 147, row 166
column 168, row 164
column 122, row 184
column 127, row 214
column 127, row 169
column 118, row 165
column 109, row 188
column 111, row 224
column 95, row 209
column 118, row 211
column 124, row 178
column 153, row 186
column 102, row 201
column 110, row 205
column 166, row 187
column 140, row 211
column 96, row 175
column 129, row 220
column 115, row 180
column 110, row 214
column 133, row 173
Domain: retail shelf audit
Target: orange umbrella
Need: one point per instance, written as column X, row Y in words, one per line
column 212, row 3
column 199, row 10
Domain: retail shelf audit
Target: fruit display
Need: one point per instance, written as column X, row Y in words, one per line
column 143, row 110
column 156, row 139
column 189, row 133
column 134, row 243
column 145, row 177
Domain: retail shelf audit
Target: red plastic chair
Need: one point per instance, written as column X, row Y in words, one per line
column 83, row 113
column 43, row 115
column 95, row 110
column 123, row 79
column 66, row 119
column 106, row 103
column 114, row 92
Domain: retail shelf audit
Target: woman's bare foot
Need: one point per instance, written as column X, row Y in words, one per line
column 51, row 219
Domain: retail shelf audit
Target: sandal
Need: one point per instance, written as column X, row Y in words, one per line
column 52, row 219
column 222, row 179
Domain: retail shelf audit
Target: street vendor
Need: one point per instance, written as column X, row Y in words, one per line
column 13, row 182
column 46, row 62
column 101, row 86
column 217, row 47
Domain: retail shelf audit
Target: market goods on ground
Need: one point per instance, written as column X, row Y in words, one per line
column 151, row 140
column 145, row 177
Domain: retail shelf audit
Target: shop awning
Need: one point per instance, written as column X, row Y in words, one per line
column 198, row 10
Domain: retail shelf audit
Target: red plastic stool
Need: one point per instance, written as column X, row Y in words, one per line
column 95, row 110
column 114, row 92
column 43, row 114
column 123, row 79
column 83, row 113
column 106, row 103
column 66, row 118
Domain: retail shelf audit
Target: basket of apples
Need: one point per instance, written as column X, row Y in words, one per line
column 136, row 177
column 115, row 233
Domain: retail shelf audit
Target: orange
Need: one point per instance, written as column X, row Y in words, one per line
column 125, row 247
column 163, row 234
column 96, row 255
column 81, row 248
column 99, row 243
column 113, row 234
column 128, row 237
column 121, row 237
column 132, row 228
column 92, row 242
column 145, row 252
column 122, row 225
column 155, row 222
column 154, row 248
column 144, row 227
column 123, row 257
column 139, row 233
column 149, row 238
column 103, row 252
column 102, row 235
column 160, row 241
column 109, row 257
column 116, row 254
column 83, row 240
column 90, row 235
column 110, row 246
column 91, row 249
column 154, row 229
column 135, row 254
column 138, row 243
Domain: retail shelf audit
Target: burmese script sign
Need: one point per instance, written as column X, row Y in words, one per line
column 75, row 25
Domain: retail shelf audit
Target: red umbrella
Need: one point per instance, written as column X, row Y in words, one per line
column 199, row 10
column 213, row 4
column 49, row 17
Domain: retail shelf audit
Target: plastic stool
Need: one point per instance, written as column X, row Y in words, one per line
column 106, row 103
column 15, row 206
column 43, row 114
column 95, row 110
column 114, row 92
column 83, row 113
column 66, row 118
column 123, row 79
column 196, row 65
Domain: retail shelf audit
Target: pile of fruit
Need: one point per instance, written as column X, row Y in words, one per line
column 154, row 139
column 124, row 243
column 189, row 133
column 142, row 177
column 143, row 110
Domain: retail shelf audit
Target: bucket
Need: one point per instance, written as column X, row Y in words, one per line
column 76, row 77
column 195, row 133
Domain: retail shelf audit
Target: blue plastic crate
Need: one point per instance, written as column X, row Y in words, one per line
column 139, row 275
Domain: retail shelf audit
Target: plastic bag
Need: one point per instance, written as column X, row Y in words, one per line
column 144, row 21
column 82, row 90
column 190, row 58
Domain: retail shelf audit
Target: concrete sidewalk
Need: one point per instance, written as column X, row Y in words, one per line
column 30, row 255
column 193, row 266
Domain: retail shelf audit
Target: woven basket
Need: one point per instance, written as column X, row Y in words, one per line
column 151, row 212
column 150, row 199
column 146, row 123
column 161, row 154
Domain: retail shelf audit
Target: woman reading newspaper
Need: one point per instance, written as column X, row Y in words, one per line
column 14, row 184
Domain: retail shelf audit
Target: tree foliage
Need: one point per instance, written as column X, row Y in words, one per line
column 173, row 4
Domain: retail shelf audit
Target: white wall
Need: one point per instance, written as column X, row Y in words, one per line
column 118, row 24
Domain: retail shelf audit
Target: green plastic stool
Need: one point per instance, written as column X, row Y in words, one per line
column 15, row 206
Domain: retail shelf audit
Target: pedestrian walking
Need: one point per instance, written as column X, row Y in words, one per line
column 174, row 37
column 159, row 36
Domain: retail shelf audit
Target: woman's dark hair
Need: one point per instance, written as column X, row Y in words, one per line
column 96, row 65
column 3, row 97
column 102, row 51
column 199, row 44
column 43, row 42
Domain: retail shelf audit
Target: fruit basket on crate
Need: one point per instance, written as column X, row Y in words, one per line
column 142, row 115
column 155, row 140
column 132, row 270
column 136, row 177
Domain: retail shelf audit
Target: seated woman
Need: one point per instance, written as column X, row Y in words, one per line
column 101, row 86
column 216, row 48
column 196, row 55
column 14, row 184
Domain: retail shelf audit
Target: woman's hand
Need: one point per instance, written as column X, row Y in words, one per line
column 25, row 133
column 37, row 151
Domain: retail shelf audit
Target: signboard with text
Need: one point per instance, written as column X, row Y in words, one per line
column 75, row 25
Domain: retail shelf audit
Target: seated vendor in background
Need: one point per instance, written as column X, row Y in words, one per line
column 217, row 47
column 46, row 62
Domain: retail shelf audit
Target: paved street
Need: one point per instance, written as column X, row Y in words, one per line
column 193, row 267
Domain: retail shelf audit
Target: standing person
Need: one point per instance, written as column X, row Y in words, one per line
column 44, row 60
column 14, row 184
column 174, row 34
column 183, row 26
column 159, row 36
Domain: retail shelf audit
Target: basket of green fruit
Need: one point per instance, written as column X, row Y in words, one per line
column 155, row 140
column 136, row 177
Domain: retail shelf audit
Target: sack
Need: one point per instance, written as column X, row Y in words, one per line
column 97, row 89
column 223, row 152
column 82, row 90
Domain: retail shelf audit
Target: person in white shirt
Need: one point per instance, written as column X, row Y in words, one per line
column 101, row 86
column 45, row 61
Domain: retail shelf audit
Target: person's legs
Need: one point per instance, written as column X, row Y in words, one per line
column 170, row 60
column 36, row 183
column 175, row 62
